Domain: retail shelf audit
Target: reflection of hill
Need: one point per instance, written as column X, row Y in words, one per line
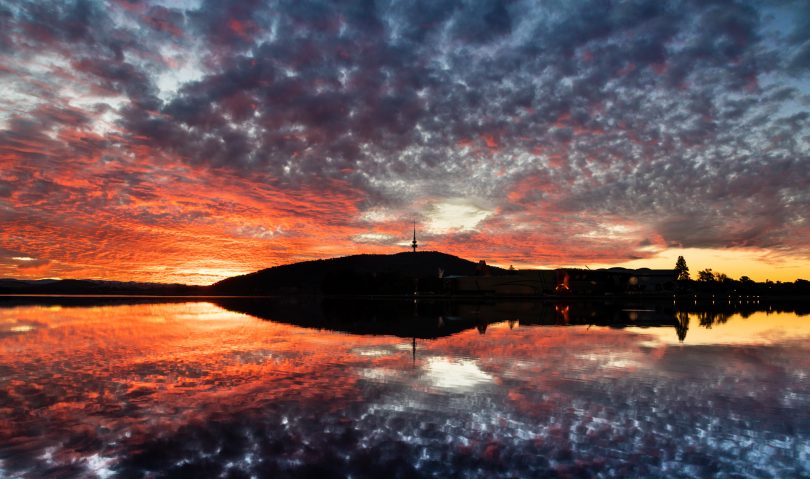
column 435, row 318
column 396, row 318
column 432, row 319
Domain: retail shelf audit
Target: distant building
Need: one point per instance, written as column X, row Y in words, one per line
column 529, row 282
column 565, row 281
column 645, row 279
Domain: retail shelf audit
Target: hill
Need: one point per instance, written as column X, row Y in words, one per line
column 92, row 286
column 358, row 274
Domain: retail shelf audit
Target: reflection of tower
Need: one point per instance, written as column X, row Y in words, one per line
column 413, row 243
column 415, row 318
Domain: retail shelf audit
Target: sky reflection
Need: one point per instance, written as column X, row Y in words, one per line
column 760, row 327
column 192, row 389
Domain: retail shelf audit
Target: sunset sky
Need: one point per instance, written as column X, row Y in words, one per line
column 187, row 141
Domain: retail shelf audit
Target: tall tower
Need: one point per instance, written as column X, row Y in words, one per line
column 413, row 243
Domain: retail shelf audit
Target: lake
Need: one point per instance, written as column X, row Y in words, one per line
column 261, row 388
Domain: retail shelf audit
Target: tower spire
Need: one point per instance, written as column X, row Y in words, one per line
column 414, row 244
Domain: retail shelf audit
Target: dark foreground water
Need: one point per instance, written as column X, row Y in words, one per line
column 192, row 389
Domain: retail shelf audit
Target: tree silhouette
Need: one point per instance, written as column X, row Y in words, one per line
column 706, row 275
column 681, row 270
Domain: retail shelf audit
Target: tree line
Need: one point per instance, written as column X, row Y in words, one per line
column 709, row 280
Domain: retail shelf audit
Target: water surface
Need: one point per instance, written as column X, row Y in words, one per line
column 199, row 389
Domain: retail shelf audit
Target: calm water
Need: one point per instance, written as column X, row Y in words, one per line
column 198, row 389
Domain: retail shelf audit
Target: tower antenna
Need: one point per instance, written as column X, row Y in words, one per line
column 414, row 244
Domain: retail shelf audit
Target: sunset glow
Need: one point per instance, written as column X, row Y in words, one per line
column 144, row 140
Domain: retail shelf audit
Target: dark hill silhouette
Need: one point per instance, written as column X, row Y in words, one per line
column 93, row 286
column 358, row 274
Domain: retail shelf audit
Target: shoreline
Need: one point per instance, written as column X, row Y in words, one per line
column 676, row 298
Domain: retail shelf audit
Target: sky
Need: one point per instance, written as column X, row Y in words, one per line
column 188, row 141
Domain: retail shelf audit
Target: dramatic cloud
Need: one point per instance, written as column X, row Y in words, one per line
column 186, row 141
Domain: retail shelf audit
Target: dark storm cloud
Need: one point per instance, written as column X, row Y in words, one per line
column 646, row 110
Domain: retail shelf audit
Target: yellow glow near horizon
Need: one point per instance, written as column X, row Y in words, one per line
column 757, row 265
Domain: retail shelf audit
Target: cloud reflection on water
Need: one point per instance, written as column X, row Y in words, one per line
column 456, row 375
column 192, row 389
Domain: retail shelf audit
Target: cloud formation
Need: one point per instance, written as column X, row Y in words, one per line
column 142, row 135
